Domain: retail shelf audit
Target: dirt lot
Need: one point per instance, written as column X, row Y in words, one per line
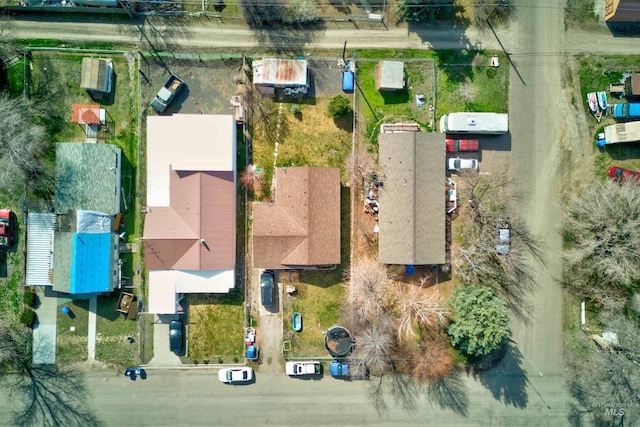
column 209, row 83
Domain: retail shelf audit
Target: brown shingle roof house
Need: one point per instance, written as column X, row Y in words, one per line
column 622, row 10
column 190, row 224
column 302, row 228
column 412, row 198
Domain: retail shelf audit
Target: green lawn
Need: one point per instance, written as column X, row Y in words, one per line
column 215, row 329
column 112, row 330
column 72, row 346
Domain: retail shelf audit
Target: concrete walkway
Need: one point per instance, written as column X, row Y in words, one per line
column 91, row 336
column 45, row 330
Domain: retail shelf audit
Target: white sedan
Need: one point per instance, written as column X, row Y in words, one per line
column 458, row 163
column 235, row 375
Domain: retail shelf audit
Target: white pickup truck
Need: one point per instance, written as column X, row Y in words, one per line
column 303, row 368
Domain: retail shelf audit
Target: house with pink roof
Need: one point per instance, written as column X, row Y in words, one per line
column 189, row 237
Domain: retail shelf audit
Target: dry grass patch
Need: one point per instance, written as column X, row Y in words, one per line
column 215, row 328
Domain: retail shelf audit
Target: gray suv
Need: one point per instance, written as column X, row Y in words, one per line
column 267, row 288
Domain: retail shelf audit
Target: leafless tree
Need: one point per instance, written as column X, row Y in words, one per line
column 603, row 226
column 432, row 360
column 374, row 343
column 368, row 290
column 22, row 147
column 249, row 178
column 417, row 307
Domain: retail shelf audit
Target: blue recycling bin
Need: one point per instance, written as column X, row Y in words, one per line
column 65, row 310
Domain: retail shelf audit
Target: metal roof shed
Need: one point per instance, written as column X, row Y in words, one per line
column 96, row 74
column 390, row 75
column 280, row 72
column 40, row 231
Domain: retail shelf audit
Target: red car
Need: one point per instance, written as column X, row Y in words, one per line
column 619, row 174
column 455, row 145
column 6, row 229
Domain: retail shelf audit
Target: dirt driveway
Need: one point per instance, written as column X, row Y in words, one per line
column 269, row 329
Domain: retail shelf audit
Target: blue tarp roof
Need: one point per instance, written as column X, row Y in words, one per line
column 91, row 263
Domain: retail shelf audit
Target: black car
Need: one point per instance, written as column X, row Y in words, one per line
column 176, row 336
column 267, row 288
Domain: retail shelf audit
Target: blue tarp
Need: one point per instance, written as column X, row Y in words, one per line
column 91, row 263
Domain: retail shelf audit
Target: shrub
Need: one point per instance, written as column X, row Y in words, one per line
column 220, row 361
column 235, row 360
column 339, row 106
column 28, row 317
column 29, row 298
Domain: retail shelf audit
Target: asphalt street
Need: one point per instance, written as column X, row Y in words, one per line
column 197, row 398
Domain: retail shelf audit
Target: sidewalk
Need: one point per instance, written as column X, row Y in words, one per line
column 45, row 330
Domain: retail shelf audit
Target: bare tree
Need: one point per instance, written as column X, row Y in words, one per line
column 22, row 147
column 417, row 307
column 374, row 344
column 432, row 361
column 249, row 178
column 368, row 290
column 603, row 226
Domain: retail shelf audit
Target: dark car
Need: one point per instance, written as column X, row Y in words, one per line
column 176, row 336
column 267, row 288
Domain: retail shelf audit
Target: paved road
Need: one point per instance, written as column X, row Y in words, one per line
column 196, row 398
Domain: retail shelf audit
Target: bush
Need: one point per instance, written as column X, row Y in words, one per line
column 220, row 361
column 28, row 317
column 29, row 298
column 339, row 106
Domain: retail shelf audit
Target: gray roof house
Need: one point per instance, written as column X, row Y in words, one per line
column 412, row 198
column 390, row 75
column 87, row 198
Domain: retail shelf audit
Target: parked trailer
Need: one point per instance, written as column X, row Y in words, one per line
column 629, row 110
column 476, row 123
column 621, row 132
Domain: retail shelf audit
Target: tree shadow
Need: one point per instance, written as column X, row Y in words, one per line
column 289, row 39
column 50, row 396
column 399, row 387
column 450, row 393
column 507, row 382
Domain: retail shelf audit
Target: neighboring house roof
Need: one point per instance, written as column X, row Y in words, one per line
column 87, row 177
column 96, row 74
column 190, row 224
column 622, row 10
column 302, row 227
column 632, row 84
column 88, row 114
column 86, row 253
column 412, row 198
column 280, row 72
column 390, row 75
column 40, row 232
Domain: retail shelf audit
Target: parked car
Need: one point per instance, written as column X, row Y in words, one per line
column 457, row 163
column 176, row 336
column 620, row 174
column 303, row 368
column 267, row 287
column 503, row 244
column 235, row 375
column 6, row 229
column 455, row 145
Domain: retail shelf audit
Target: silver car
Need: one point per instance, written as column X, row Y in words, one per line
column 457, row 163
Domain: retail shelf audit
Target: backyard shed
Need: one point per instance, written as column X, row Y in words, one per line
column 271, row 73
column 40, row 231
column 412, row 198
column 96, row 75
column 390, row 75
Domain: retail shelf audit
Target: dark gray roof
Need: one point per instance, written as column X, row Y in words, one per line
column 412, row 198
column 87, row 177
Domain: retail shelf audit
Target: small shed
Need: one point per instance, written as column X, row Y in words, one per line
column 272, row 73
column 96, row 75
column 390, row 75
column 632, row 86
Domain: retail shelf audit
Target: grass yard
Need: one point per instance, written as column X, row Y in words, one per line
column 596, row 73
column 72, row 346
column 112, row 330
column 319, row 308
column 215, row 328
